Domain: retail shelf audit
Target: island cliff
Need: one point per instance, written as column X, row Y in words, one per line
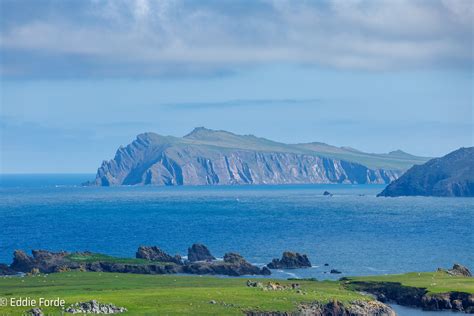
column 451, row 175
column 208, row 157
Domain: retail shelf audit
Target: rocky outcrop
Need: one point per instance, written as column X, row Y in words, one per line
column 47, row 262
column 290, row 260
column 233, row 265
column 417, row 297
column 94, row 307
column 458, row 270
column 42, row 260
column 199, row 252
column 222, row 158
column 154, row 253
column 451, row 175
column 334, row 308
column 6, row 270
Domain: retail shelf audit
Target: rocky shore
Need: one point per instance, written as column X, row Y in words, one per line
column 149, row 260
column 354, row 308
column 417, row 296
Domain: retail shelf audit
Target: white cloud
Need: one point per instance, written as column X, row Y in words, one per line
column 340, row 33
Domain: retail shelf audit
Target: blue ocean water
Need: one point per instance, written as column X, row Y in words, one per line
column 353, row 231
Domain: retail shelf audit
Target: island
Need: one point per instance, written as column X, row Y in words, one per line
column 210, row 157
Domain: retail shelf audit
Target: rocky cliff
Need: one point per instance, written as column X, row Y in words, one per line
column 206, row 157
column 451, row 175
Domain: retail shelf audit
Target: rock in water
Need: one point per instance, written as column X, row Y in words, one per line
column 94, row 307
column 451, row 175
column 233, row 265
column 327, row 193
column 154, row 253
column 290, row 260
column 199, row 252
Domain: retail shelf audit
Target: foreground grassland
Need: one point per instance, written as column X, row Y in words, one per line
column 433, row 282
column 168, row 294
column 178, row 294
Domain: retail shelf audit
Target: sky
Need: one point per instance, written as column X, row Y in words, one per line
column 79, row 78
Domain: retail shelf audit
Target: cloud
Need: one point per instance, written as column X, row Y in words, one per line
column 150, row 38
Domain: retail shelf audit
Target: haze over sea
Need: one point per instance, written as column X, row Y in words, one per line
column 353, row 231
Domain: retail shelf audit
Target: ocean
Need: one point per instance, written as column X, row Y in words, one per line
column 353, row 231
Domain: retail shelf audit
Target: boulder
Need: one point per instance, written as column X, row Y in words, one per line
column 199, row 252
column 334, row 271
column 35, row 312
column 327, row 193
column 154, row 253
column 460, row 270
column 94, row 307
column 290, row 260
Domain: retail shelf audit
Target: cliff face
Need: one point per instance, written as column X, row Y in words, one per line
column 158, row 160
column 451, row 175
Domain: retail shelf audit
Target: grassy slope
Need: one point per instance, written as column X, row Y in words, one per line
column 222, row 139
column 167, row 294
column 434, row 282
column 95, row 257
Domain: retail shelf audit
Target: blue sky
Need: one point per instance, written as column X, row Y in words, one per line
column 80, row 78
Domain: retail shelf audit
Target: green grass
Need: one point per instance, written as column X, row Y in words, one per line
column 95, row 257
column 167, row 294
column 182, row 295
column 434, row 282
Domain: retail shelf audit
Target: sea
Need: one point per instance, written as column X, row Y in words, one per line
column 352, row 231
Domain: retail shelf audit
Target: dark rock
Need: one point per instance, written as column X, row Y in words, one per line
column 233, row 265
column 416, row 297
column 6, row 270
column 42, row 260
column 22, row 262
column 326, row 264
column 334, row 271
column 290, row 260
column 154, row 253
column 94, row 307
column 327, row 193
column 48, row 262
column 265, row 271
column 451, row 175
column 232, row 257
column 199, row 252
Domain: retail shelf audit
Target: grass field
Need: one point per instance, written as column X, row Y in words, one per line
column 434, row 282
column 167, row 294
column 178, row 294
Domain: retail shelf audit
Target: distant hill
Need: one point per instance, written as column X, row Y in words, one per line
column 451, row 175
column 207, row 156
